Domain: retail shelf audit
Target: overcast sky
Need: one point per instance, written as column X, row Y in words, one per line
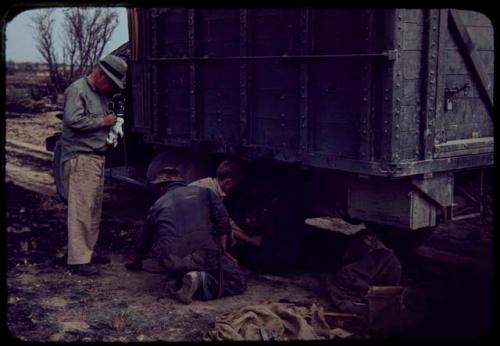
column 20, row 45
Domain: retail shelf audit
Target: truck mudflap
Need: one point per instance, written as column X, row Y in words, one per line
column 128, row 175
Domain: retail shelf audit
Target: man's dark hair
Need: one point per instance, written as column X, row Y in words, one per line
column 230, row 169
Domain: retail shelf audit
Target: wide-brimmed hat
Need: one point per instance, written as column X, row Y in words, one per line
column 167, row 175
column 115, row 68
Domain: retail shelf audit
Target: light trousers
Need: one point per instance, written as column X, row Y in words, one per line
column 85, row 194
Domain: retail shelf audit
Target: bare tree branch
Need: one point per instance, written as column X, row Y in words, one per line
column 85, row 33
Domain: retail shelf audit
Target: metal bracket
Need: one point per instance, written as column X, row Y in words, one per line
column 450, row 93
column 476, row 202
column 391, row 54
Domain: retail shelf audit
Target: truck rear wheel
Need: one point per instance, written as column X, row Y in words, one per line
column 401, row 240
column 191, row 166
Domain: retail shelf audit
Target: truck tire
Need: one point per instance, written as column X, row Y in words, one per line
column 402, row 241
column 191, row 166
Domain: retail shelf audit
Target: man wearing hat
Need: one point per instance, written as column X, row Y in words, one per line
column 187, row 230
column 86, row 124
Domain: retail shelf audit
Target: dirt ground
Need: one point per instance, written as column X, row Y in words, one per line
column 47, row 303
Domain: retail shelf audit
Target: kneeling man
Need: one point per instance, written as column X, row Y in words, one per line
column 187, row 230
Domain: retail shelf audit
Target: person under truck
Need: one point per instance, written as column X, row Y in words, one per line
column 229, row 176
column 187, row 229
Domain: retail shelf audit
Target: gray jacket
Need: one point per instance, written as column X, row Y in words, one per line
column 82, row 130
column 185, row 219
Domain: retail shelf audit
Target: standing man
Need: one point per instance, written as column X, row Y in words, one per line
column 86, row 124
column 229, row 175
column 187, row 229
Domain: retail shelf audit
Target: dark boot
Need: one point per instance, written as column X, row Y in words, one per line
column 85, row 269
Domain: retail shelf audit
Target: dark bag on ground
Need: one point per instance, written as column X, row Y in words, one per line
column 366, row 262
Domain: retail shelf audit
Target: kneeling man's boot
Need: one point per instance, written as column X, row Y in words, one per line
column 190, row 283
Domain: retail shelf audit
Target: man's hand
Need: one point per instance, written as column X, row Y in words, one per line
column 135, row 261
column 223, row 242
column 256, row 240
column 240, row 235
column 109, row 119
column 114, row 132
column 231, row 257
column 134, row 266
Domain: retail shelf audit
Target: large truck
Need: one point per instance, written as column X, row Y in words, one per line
column 389, row 111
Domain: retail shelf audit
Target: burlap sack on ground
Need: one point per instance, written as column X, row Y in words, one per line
column 366, row 262
column 284, row 321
